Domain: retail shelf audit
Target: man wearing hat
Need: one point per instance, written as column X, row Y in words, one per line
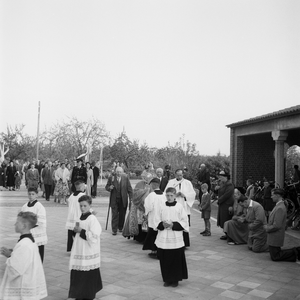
column 256, row 219
column 78, row 173
column 153, row 204
column 225, row 200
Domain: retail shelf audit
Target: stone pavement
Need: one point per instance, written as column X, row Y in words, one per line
column 216, row 270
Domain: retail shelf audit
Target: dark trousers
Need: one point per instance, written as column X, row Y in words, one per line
column 282, row 255
column 118, row 212
column 52, row 188
column 41, row 251
column 48, row 188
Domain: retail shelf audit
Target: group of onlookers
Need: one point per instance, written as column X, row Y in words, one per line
column 54, row 178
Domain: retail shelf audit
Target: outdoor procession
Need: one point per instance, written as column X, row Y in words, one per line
column 152, row 150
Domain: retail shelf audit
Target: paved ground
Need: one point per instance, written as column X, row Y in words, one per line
column 216, row 270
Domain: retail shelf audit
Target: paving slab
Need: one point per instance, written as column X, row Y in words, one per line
column 216, row 270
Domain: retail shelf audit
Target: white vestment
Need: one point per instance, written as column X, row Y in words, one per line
column 39, row 232
column 85, row 254
column 153, row 204
column 185, row 187
column 24, row 276
column 74, row 211
column 168, row 238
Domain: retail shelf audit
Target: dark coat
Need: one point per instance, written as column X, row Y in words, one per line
column 204, row 177
column 225, row 200
column 47, row 175
column 126, row 189
column 276, row 226
column 96, row 174
column 79, row 174
column 163, row 183
column 10, row 175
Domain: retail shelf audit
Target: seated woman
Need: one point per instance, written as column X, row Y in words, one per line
column 235, row 229
column 135, row 217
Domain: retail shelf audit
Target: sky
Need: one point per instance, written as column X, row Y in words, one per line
column 159, row 69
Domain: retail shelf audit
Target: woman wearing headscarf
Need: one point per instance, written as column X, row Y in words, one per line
column 236, row 229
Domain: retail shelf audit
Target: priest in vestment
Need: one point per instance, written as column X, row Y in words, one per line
column 185, row 195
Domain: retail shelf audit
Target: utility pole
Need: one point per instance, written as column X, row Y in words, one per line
column 38, row 133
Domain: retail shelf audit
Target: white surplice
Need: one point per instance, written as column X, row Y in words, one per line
column 24, row 276
column 74, row 211
column 153, row 204
column 85, row 254
column 185, row 187
column 168, row 238
column 39, row 232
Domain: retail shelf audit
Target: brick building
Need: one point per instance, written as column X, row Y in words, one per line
column 258, row 145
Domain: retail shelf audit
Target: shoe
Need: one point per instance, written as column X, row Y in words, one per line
column 231, row 243
column 120, row 230
column 114, row 233
column 174, row 284
column 167, row 284
column 223, row 237
column 206, row 234
column 203, row 232
column 47, row 199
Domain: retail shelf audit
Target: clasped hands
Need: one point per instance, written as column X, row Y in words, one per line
column 6, row 252
column 168, row 224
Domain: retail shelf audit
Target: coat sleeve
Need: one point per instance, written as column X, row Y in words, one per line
column 277, row 222
column 227, row 194
column 259, row 218
column 108, row 184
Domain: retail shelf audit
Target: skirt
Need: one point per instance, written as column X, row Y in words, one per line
column 85, row 284
column 61, row 189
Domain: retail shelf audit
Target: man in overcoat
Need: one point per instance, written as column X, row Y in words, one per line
column 225, row 200
column 256, row 219
column 276, row 231
column 120, row 190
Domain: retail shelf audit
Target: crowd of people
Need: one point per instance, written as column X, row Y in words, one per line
column 53, row 178
column 159, row 217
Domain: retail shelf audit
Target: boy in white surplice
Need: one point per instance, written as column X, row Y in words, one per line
column 24, row 276
column 85, row 255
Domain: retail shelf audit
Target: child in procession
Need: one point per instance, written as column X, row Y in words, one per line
column 24, row 276
column 39, row 232
column 85, row 279
column 169, row 241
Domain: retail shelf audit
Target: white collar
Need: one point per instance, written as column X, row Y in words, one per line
column 251, row 203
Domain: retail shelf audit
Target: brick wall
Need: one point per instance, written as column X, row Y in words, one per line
column 258, row 158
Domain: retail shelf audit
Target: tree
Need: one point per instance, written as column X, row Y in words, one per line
column 20, row 145
column 124, row 151
column 73, row 137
